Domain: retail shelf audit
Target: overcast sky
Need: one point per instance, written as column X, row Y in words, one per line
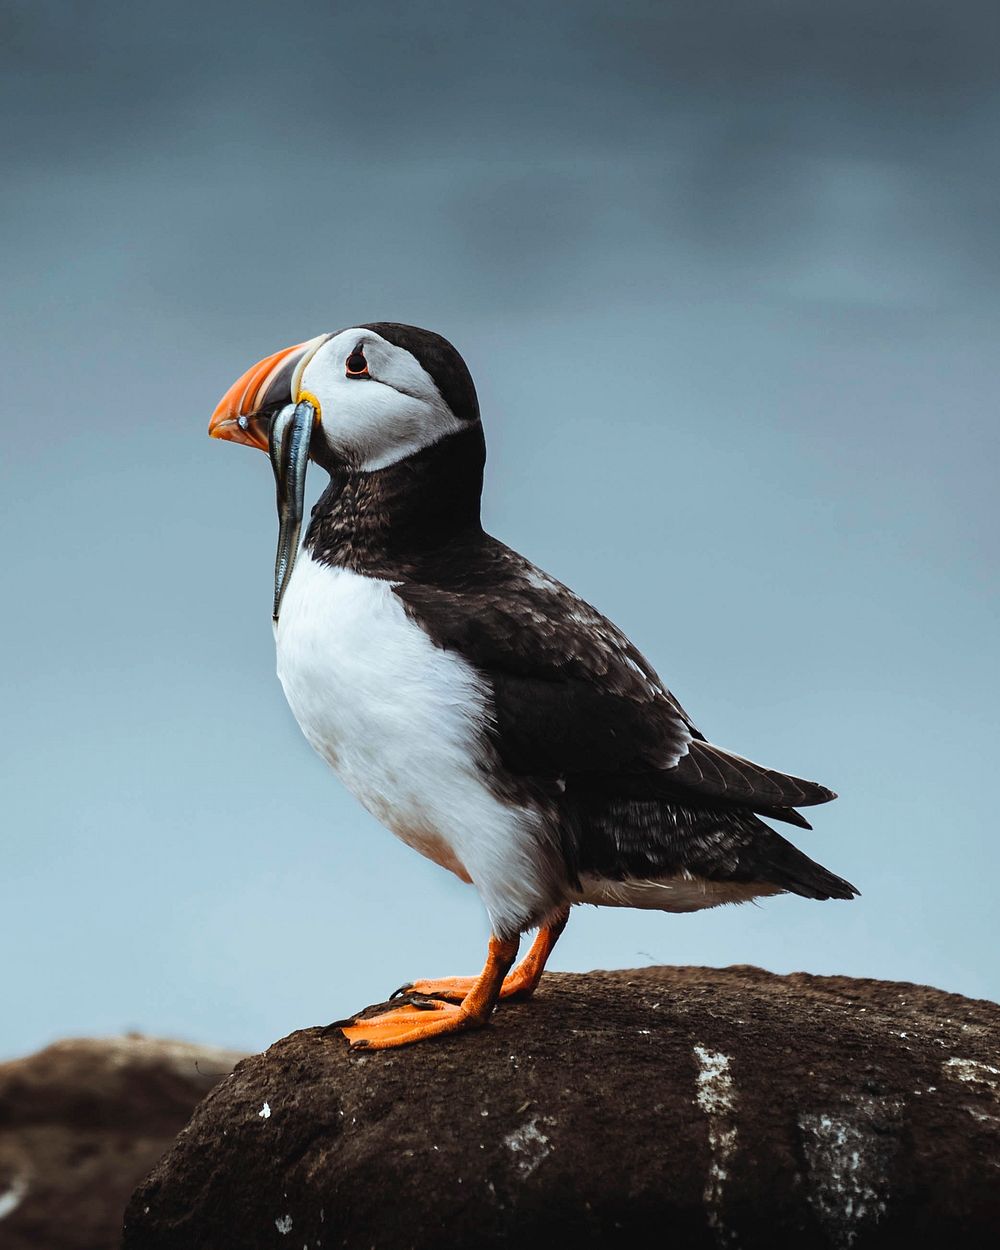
column 727, row 277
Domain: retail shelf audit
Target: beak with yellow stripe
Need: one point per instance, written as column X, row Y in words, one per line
column 244, row 413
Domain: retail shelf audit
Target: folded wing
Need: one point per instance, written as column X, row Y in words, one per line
column 575, row 704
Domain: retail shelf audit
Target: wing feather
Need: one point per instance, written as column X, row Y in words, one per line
column 574, row 702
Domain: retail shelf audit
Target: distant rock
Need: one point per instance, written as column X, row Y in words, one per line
column 81, row 1122
column 668, row 1107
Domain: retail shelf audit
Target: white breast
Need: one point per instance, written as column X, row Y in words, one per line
column 400, row 721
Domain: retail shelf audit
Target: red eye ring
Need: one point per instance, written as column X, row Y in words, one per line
column 357, row 366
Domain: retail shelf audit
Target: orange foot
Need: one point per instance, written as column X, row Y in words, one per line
column 520, row 983
column 456, row 989
column 418, row 1020
column 410, row 1023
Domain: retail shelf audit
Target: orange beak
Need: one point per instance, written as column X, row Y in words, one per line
column 243, row 414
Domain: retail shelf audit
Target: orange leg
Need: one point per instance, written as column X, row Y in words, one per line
column 413, row 1022
column 520, row 983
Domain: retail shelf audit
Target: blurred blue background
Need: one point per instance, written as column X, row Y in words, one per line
column 727, row 277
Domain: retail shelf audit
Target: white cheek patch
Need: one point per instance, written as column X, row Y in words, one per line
column 377, row 421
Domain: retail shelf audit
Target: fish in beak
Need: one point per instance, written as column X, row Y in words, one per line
column 262, row 409
column 288, row 446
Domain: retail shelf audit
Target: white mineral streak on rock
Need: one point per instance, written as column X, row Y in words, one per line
column 981, row 1076
column 974, row 1073
column 283, row 1224
column 717, row 1098
column 849, row 1152
column 529, row 1145
column 982, row 1117
column 11, row 1199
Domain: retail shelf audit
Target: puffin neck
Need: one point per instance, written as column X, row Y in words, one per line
column 382, row 520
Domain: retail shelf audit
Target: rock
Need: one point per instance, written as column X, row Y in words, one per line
column 81, row 1122
column 672, row 1107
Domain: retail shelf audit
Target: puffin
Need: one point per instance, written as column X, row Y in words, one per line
column 485, row 714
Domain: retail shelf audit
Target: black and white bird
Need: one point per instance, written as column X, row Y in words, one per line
column 474, row 705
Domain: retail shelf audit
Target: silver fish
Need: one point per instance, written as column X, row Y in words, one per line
column 288, row 446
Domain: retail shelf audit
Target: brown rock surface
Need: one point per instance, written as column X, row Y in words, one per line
column 81, row 1122
column 672, row 1107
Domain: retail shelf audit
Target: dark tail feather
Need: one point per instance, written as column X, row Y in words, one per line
column 714, row 772
column 786, row 866
column 788, row 814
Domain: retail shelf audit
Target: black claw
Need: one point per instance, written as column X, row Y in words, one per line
column 403, row 989
column 359, row 1045
column 338, row 1024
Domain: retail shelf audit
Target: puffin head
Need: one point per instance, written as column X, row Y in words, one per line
column 379, row 393
column 362, row 399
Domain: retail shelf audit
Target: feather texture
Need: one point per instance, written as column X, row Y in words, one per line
column 578, row 722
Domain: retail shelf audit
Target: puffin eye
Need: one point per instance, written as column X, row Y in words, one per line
column 357, row 366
